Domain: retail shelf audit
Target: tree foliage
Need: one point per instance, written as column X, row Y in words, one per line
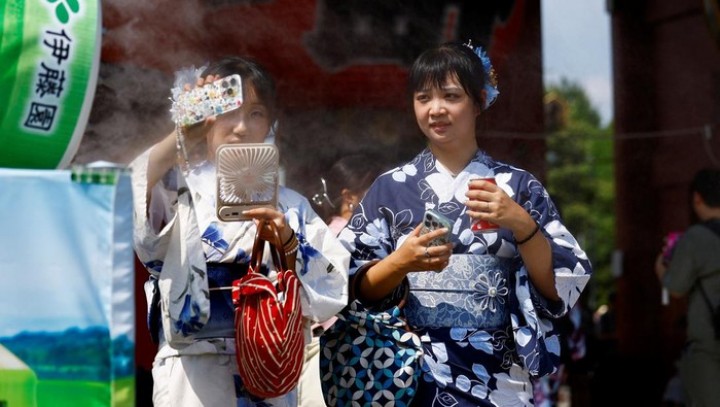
column 580, row 177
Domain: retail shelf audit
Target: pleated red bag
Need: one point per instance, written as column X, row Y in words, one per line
column 268, row 323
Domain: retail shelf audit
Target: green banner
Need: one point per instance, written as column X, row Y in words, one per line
column 50, row 53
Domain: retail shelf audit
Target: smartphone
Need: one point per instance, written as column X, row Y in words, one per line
column 218, row 97
column 671, row 240
column 247, row 178
column 433, row 220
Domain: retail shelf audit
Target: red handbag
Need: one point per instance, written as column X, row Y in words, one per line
column 268, row 323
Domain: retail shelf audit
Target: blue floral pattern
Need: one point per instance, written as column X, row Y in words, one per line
column 484, row 328
column 470, row 293
column 193, row 259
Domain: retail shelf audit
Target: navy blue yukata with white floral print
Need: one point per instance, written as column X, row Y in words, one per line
column 485, row 330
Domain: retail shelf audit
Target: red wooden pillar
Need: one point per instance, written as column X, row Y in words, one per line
column 638, row 299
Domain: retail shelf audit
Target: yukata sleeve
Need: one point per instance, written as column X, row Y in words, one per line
column 167, row 242
column 321, row 264
column 571, row 266
column 153, row 220
column 367, row 234
column 368, row 238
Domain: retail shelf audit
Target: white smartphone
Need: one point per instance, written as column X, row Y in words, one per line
column 433, row 220
column 218, row 97
column 247, row 178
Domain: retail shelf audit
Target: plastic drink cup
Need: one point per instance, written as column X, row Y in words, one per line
column 483, row 226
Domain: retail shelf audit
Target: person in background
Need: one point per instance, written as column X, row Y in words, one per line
column 343, row 186
column 184, row 246
column 340, row 191
column 687, row 269
column 483, row 304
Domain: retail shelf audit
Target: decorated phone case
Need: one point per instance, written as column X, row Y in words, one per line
column 247, row 178
column 433, row 220
column 221, row 96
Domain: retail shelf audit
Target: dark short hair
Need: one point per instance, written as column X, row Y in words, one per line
column 707, row 184
column 433, row 66
column 252, row 73
column 355, row 172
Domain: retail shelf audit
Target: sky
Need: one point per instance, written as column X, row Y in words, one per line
column 576, row 46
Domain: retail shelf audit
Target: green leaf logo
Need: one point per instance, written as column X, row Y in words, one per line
column 64, row 8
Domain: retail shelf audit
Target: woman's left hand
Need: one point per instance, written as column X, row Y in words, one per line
column 487, row 201
column 274, row 215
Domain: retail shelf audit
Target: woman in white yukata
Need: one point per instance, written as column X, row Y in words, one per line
column 482, row 304
column 190, row 253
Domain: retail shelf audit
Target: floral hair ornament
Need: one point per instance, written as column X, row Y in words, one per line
column 491, row 89
column 321, row 197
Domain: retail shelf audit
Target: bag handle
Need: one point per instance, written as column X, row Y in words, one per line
column 278, row 256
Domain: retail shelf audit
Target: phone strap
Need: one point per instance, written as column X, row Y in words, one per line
column 181, row 149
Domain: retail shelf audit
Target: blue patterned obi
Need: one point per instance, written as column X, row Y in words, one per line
column 222, row 313
column 471, row 292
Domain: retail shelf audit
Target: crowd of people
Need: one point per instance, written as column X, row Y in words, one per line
column 487, row 306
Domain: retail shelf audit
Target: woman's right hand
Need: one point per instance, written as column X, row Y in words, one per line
column 416, row 254
column 164, row 154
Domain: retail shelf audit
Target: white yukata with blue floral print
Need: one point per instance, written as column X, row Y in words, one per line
column 192, row 256
column 484, row 328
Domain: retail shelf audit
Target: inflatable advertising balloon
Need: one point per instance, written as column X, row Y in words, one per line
column 50, row 52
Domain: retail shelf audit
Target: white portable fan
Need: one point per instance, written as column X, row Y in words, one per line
column 247, row 177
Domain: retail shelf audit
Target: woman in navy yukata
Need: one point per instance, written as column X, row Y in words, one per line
column 483, row 304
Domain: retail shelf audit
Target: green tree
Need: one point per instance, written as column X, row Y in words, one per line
column 580, row 177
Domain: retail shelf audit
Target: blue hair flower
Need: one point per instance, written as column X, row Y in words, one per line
column 491, row 89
